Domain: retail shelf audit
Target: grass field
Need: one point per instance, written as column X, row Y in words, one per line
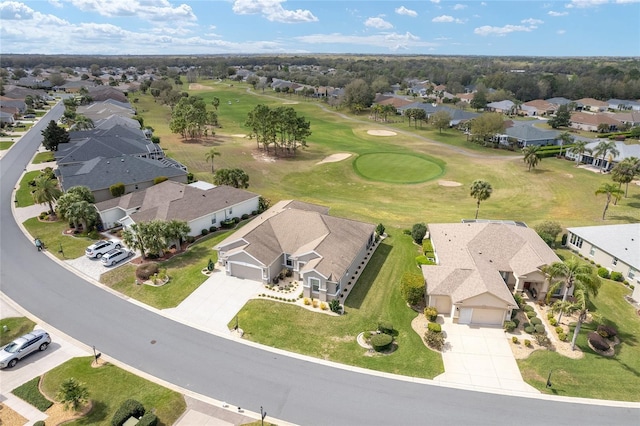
column 16, row 327
column 51, row 233
column 394, row 167
column 23, row 194
column 5, row 145
column 109, row 386
column 43, row 157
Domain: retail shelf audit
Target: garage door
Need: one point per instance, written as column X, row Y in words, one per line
column 246, row 272
column 487, row 316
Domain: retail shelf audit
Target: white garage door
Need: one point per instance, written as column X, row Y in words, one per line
column 246, row 272
column 487, row 316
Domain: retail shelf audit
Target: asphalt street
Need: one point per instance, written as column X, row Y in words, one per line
column 289, row 388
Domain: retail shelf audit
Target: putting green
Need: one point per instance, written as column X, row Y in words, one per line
column 393, row 167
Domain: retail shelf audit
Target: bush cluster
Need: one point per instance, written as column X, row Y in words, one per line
column 149, row 419
column 603, row 273
column 128, row 408
column 598, row 342
column 381, row 341
column 431, row 313
column 435, row 327
column 617, row 276
column 144, row 271
column 412, row 288
column 509, row 326
column 553, row 322
column 385, row 327
column 607, row 331
column 434, row 340
column 535, row 321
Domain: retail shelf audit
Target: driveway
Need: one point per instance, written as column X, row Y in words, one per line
column 480, row 358
column 216, row 302
column 94, row 267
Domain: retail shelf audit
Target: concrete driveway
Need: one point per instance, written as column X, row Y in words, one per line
column 94, row 267
column 480, row 358
column 215, row 302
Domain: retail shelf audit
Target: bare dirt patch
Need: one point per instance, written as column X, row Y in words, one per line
column 239, row 135
column 10, row 417
column 58, row 415
column 197, row 86
column 569, row 175
column 262, row 156
column 334, row 158
column 381, row 133
column 449, row 183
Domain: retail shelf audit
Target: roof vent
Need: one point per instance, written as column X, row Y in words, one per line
column 122, row 160
column 108, row 162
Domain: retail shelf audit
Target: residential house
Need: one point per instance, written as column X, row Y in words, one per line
column 590, row 122
column 503, row 107
column 465, row 97
column 615, row 247
column 116, row 120
column 458, row 116
column 630, row 117
column 480, row 265
column 622, row 105
column 558, row 101
column 34, row 83
column 200, row 206
column 592, row 105
column 10, row 105
column 325, row 253
column 6, row 118
column 105, row 109
column 537, row 108
column 624, row 151
column 100, row 173
column 395, row 101
column 524, row 134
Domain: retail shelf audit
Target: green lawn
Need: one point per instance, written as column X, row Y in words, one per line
column 16, row 327
column 43, row 157
column 184, row 270
column 52, row 235
column 23, row 194
column 375, row 297
column 109, row 386
column 4, row 145
column 394, row 167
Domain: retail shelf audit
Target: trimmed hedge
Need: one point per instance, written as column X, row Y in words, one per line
column 435, row 327
column 531, row 314
column 617, row 276
column 128, row 408
column 528, row 308
column 149, row 419
column 535, row 321
column 603, row 273
column 385, row 327
column 509, row 326
column 607, row 331
column 381, row 341
column 539, row 328
column 598, row 342
column 529, row 329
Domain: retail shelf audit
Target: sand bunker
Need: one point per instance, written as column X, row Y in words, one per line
column 569, row 175
column 197, row 86
column 334, row 158
column 448, row 183
column 381, row 133
column 240, row 135
column 290, row 103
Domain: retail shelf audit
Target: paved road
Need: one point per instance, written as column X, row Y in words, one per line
column 293, row 389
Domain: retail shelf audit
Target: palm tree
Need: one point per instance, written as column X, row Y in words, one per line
column 565, row 139
column 610, row 190
column 83, row 213
column 579, row 149
column 209, row 156
column 133, row 238
column 46, row 191
column 623, row 172
column 480, row 190
column 604, row 148
column 176, row 230
column 531, row 155
column 82, row 122
column 568, row 273
column 581, row 295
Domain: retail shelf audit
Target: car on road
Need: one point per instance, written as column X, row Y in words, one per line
column 116, row 255
column 29, row 116
column 101, row 247
column 37, row 340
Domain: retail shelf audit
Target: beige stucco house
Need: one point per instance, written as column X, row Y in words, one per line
column 480, row 265
column 322, row 251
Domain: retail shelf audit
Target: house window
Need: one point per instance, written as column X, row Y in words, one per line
column 592, row 251
column 632, row 273
column 576, row 241
column 615, row 261
column 315, row 284
column 231, row 210
column 288, row 261
column 265, row 274
column 213, row 219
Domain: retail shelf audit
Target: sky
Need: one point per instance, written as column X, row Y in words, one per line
column 427, row 27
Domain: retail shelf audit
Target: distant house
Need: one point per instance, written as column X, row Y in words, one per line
column 18, row 104
column 526, row 135
column 622, row 105
column 201, row 207
column 105, row 109
column 465, row 97
column 395, row 101
column 592, row 105
column 630, row 117
column 624, row 151
column 325, row 253
column 480, row 265
column 458, row 116
column 503, row 107
column 558, row 101
column 6, row 118
column 615, row 247
column 537, row 107
column 34, row 83
column 590, row 122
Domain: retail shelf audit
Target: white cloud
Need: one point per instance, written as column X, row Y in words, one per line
column 408, row 12
column 459, row 6
column 435, row 1
column 447, row 19
column 560, row 32
column 500, row 31
column 391, row 41
column 14, row 11
column 152, row 10
column 273, row 11
column 378, row 23
column 555, row 14
column 581, row 4
column 532, row 22
column 55, row 3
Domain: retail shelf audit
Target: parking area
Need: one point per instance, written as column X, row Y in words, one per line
column 480, row 357
column 216, row 302
column 94, row 267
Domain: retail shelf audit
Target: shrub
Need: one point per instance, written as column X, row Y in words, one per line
column 514, row 339
column 314, row 303
column 144, row 271
column 244, row 216
column 527, row 343
column 381, row 341
column 334, row 306
column 434, row 340
column 606, row 331
column 380, row 229
column 404, row 231
column 553, row 322
column 542, row 339
column 528, row 308
column 535, row 321
column 366, row 335
column 385, row 327
column 539, row 328
column 431, row 313
column 531, row 314
column 212, row 229
column 117, row 189
column 412, row 288
column 418, row 232
column 562, row 337
column 529, row 329
column 423, row 260
column 617, row 276
column 149, row 419
column 559, row 330
column 519, row 300
column 516, row 321
column 159, row 179
column 435, row 327
column 190, row 239
column 306, row 301
column 128, row 408
column 204, row 231
column 564, row 239
column 509, row 326
column 323, row 306
column 603, row 272
column 598, row 342
column 236, row 220
column 39, row 423
column 549, row 315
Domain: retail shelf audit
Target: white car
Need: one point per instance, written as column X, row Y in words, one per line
column 101, row 247
column 116, row 255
